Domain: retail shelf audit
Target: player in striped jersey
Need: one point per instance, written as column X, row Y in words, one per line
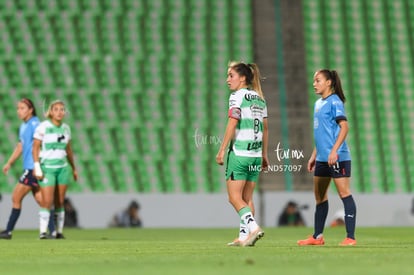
column 331, row 158
column 26, row 111
column 52, row 152
column 247, row 133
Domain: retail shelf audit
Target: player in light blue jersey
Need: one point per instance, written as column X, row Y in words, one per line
column 27, row 182
column 331, row 158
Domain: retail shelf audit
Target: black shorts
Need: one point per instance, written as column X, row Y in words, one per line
column 27, row 178
column 341, row 169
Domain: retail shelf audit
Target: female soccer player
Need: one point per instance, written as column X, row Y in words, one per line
column 331, row 157
column 52, row 151
column 27, row 182
column 247, row 133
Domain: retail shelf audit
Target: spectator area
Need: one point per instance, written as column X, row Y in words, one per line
column 144, row 83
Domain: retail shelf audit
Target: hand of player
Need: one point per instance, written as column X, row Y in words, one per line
column 75, row 175
column 6, row 168
column 37, row 172
column 332, row 158
column 311, row 164
column 265, row 163
column 220, row 157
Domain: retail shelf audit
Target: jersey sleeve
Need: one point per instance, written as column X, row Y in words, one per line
column 338, row 110
column 39, row 132
column 234, row 106
column 33, row 126
column 265, row 112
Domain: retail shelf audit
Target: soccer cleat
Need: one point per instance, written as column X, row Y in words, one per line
column 312, row 241
column 6, row 235
column 43, row 236
column 253, row 237
column 236, row 242
column 53, row 235
column 348, row 242
column 59, row 236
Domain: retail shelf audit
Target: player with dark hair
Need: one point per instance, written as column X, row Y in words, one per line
column 26, row 111
column 331, row 158
column 247, row 133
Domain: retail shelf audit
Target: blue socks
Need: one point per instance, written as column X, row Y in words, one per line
column 320, row 218
column 350, row 216
column 51, row 224
column 14, row 216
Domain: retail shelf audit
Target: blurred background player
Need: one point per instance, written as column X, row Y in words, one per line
column 331, row 157
column 291, row 215
column 71, row 214
column 246, row 132
column 128, row 217
column 26, row 111
column 52, row 151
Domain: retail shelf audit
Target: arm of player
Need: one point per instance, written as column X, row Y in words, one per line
column 70, row 158
column 343, row 132
column 36, row 153
column 312, row 161
column 265, row 139
column 228, row 135
column 14, row 156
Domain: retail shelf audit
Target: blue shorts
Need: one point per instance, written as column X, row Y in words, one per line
column 27, row 178
column 341, row 169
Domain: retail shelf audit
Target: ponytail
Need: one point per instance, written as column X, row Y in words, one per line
column 337, row 86
column 256, row 85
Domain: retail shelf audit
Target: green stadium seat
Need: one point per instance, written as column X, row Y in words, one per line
column 133, row 5
column 110, row 36
column 140, row 175
column 133, row 34
column 8, row 8
column 118, row 171
column 112, row 6
column 49, row 6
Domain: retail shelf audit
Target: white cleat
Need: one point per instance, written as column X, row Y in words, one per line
column 254, row 237
column 236, row 242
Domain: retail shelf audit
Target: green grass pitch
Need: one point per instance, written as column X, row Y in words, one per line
column 204, row 251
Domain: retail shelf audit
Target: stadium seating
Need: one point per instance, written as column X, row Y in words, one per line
column 140, row 79
column 370, row 44
column 144, row 83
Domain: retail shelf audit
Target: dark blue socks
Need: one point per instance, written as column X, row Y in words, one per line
column 14, row 216
column 320, row 218
column 51, row 224
column 350, row 216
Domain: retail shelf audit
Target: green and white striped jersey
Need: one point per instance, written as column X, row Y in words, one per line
column 54, row 141
column 250, row 109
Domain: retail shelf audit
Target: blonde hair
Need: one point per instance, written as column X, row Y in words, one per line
column 252, row 74
column 49, row 109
